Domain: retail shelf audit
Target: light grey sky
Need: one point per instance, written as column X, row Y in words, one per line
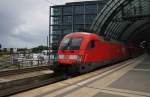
column 24, row 23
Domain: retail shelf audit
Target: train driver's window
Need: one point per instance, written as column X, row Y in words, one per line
column 91, row 44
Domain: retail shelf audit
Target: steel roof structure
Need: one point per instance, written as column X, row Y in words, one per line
column 124, row 20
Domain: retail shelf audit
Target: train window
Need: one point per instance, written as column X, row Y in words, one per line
column 91, row 44
column 65, row 43
column 71, row 44
column 75, row 43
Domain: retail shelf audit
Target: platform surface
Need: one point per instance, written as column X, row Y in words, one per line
column 24, row 75
column 132, row 79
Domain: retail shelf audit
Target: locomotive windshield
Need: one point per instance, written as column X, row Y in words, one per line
column 71, row 44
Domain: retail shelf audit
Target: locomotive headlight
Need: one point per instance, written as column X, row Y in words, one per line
column 75, row 57
column 61, row 56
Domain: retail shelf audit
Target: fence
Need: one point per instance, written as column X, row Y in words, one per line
column 27, row 60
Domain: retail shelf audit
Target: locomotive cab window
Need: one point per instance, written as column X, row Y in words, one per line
column 75, row 43
column 91, row 44
column 71, row 43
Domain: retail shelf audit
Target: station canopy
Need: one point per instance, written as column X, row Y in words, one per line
column 124, row 20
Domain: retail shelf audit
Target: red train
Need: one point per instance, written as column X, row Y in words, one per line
column 82, row 52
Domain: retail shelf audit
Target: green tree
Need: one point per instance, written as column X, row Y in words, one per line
column 39, row 49
column 11, row 50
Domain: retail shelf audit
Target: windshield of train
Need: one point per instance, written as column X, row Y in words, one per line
column 71, row 44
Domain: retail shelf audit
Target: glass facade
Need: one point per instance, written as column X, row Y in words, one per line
column 72, row 17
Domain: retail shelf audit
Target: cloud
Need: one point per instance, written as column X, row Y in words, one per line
column 24, row 23
column 59, row 2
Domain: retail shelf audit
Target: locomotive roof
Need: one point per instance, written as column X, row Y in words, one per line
column 81, row 34
column 87, row 34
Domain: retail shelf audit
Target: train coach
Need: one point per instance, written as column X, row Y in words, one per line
column 82, row 52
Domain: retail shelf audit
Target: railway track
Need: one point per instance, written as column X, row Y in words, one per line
column 16, row 86
column 21, row 71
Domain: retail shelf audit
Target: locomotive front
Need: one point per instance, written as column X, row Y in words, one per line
column 70, row 50
column 76, row 52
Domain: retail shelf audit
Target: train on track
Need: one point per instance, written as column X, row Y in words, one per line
column 82, row 52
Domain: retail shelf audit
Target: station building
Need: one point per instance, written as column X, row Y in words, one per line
column 72, row 17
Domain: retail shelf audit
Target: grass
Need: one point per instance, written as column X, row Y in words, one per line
column 5, row 63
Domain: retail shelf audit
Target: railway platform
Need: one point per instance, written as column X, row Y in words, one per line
column 126, row 79
column 23, row 76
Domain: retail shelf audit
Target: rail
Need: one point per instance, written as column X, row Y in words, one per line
column 21, row 71
column 16, row 86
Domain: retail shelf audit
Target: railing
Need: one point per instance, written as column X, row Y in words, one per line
column 27, row 60
column 29, row 63
column 21, row 61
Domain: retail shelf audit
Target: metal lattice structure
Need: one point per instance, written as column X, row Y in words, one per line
column 124, row 20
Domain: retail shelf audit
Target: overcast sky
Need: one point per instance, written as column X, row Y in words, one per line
column 24, row 23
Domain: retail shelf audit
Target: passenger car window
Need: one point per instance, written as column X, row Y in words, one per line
column 91, row 44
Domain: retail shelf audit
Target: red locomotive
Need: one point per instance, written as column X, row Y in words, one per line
column 82, row 52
